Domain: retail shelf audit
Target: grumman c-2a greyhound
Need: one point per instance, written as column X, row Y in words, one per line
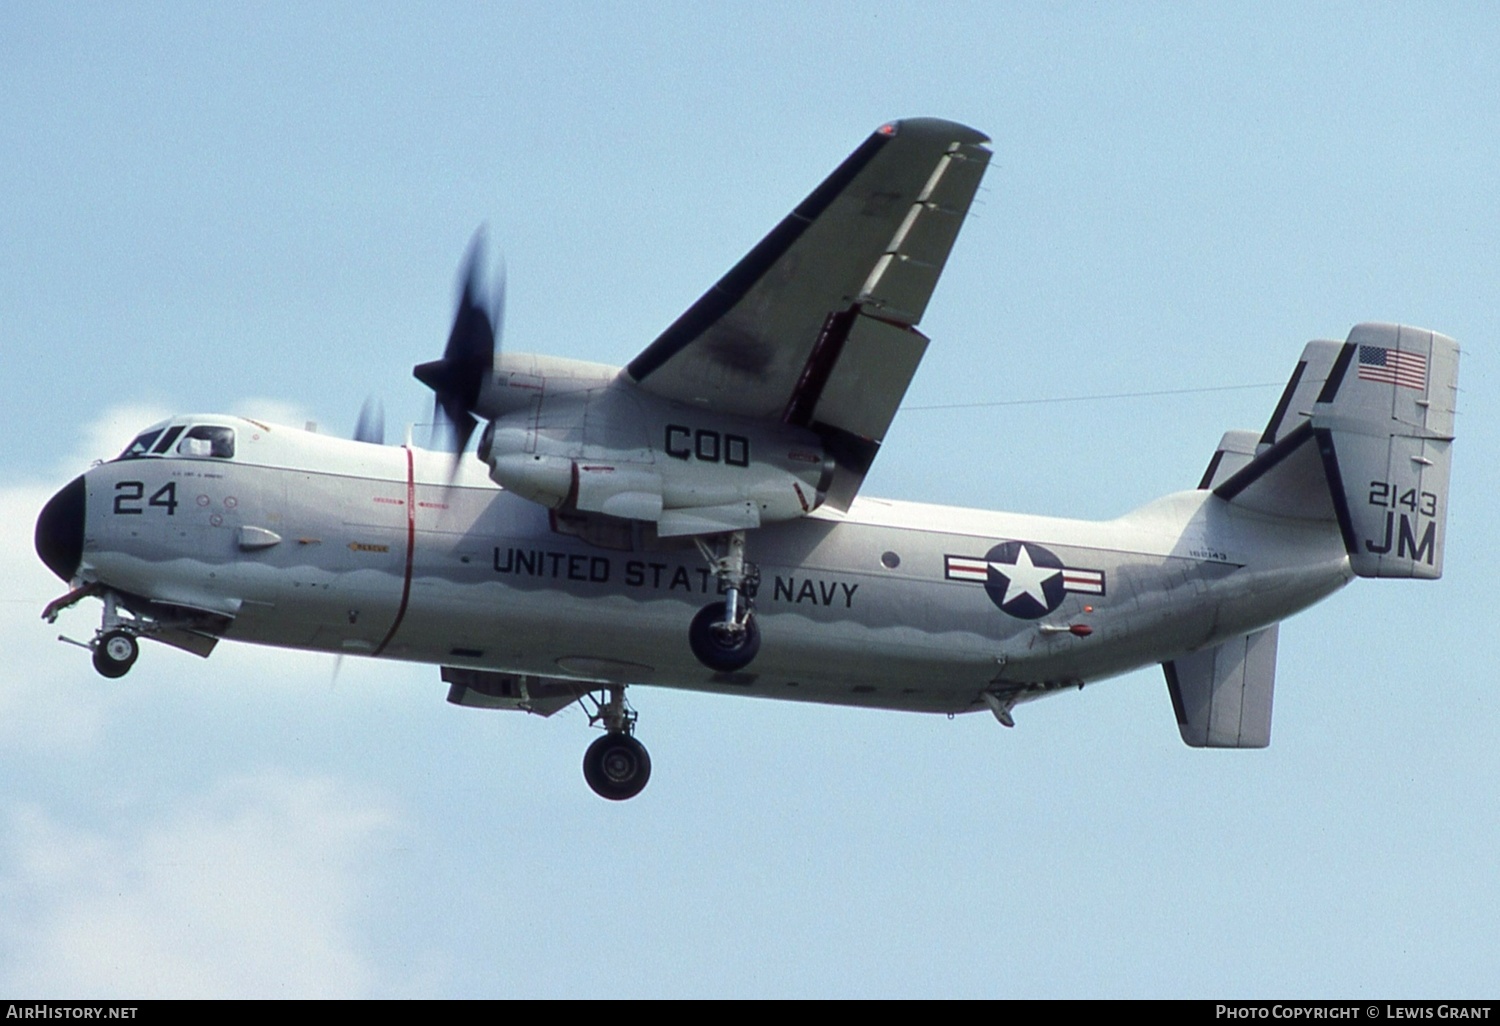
column 692, row 520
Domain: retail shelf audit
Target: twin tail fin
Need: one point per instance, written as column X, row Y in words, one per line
column 1361, row 436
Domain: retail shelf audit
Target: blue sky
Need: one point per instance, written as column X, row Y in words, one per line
column 263, row 209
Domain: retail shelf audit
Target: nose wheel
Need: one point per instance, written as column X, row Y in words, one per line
column 115, row 653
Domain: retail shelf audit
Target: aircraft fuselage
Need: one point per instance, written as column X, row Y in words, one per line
column 312, row 542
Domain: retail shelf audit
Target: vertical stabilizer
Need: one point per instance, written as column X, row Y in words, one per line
column 1362, row 437
column 1302, row 390
column 1384, row 427
column 1222, row 695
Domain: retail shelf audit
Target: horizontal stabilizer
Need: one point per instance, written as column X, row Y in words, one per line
column 1236, row 450
column 1287, row 480
column 1222, row 695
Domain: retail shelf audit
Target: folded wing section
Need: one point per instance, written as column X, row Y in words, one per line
column 815, row 326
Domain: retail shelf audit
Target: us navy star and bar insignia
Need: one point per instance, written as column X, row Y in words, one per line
column 1024, row 579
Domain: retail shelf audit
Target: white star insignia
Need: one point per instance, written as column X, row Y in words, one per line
column 1023, row 577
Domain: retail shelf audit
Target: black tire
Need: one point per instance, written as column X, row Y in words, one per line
column 713, row 649
column 115, row 654
column 617, row 767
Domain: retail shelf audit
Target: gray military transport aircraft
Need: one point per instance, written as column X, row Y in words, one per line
column 692, row 519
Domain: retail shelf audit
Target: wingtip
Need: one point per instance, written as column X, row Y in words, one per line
column 933, row 126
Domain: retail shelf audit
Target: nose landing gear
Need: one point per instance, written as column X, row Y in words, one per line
column 114, row 646
column 115, row 653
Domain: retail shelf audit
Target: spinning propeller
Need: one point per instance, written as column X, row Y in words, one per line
column 469, row 358
column 371, row 424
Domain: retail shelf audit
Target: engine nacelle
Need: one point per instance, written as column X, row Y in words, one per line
column 619, row 452
column 547, row 480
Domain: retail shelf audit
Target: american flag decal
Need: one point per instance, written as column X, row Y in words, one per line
column 1393, row 367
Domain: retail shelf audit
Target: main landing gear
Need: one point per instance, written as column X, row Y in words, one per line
column 724, row 635
column 616, row 765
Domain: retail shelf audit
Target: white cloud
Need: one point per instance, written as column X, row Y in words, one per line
column 254, row 884
column 279, row 411
column 42, row 702
column 252, row 889
column 107, row 434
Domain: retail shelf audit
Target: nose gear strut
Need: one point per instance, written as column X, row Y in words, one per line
column 114, row 645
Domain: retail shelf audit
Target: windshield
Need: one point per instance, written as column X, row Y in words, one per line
column 208, row 440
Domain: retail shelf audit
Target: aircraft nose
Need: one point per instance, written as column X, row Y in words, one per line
column 59, row 530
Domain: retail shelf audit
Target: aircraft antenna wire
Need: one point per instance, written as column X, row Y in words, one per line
column 1090, row 398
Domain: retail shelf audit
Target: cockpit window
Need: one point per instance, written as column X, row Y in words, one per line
column 206, row 440
column 141, row 446
column 167, row 439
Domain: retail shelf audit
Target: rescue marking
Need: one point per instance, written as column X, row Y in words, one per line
column 411, row 544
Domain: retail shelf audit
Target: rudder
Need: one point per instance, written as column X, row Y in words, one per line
column 1385, row 432
column 1362, row 435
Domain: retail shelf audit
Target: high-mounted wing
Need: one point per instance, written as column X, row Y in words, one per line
column 815, row 326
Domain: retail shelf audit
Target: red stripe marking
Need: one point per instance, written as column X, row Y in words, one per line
column 411, row 545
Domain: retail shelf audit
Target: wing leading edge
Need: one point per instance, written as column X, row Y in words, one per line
column 815, row 325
